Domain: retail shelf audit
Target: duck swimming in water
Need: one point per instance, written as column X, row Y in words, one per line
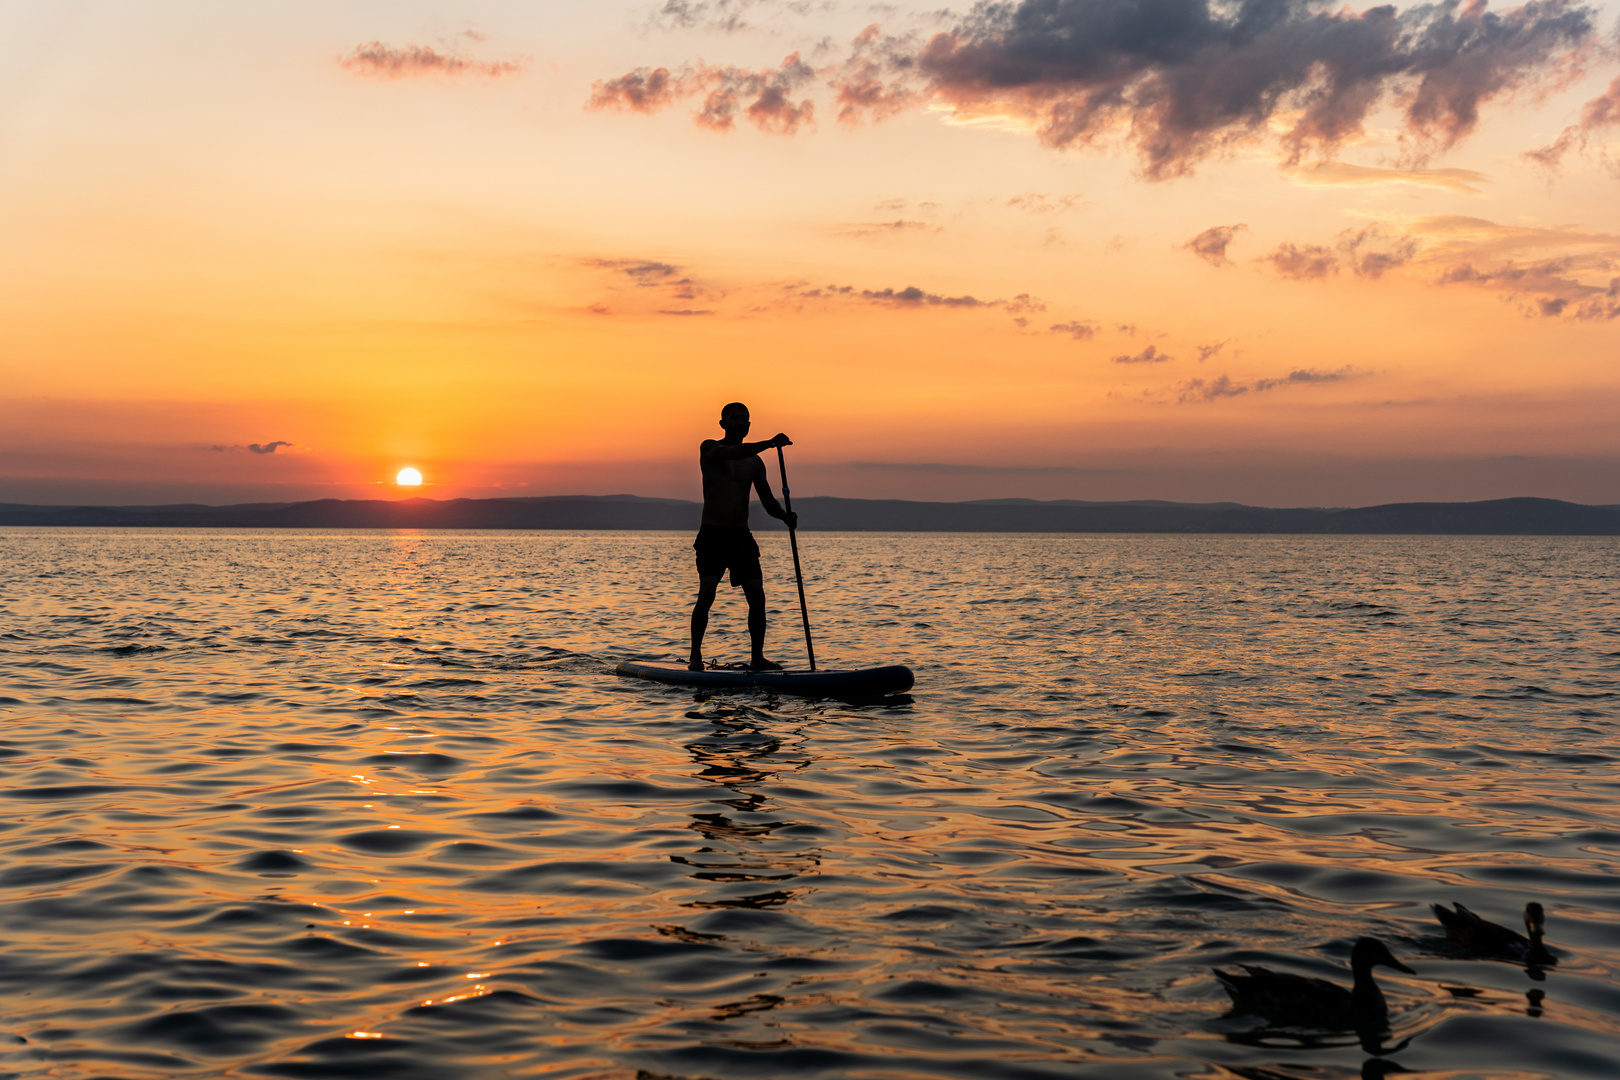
column 1303, row 1001
column 1484, row 938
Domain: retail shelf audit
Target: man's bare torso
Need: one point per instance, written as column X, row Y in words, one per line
column 727, row 487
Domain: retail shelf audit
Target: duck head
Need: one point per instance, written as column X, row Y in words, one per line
column 1369, row 953
column 1535, row 920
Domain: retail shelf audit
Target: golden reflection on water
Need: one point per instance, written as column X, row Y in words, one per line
column 391, row 796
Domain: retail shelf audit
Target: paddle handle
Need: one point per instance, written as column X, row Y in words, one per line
column 798, row 574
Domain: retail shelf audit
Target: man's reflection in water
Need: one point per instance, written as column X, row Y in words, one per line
column 741, row 855
column 740, row 754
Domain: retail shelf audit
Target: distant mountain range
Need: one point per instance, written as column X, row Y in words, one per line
column 1544, row 517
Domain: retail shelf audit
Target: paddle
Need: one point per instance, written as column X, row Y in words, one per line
column 793, row 539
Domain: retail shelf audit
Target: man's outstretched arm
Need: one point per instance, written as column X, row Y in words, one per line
column 716, row 450
column 762, row 485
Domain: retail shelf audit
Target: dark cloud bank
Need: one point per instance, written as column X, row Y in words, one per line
column 1179, row 79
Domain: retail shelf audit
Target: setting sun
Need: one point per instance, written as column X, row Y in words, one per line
column 408, row 478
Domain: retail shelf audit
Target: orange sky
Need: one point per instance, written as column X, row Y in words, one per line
column 491, row 242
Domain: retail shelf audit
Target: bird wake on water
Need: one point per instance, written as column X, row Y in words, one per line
column 1308, row 1002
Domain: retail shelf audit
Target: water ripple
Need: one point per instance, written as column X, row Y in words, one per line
column 372, row 804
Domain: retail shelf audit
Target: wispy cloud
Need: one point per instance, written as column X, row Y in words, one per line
column 1210, row 245
column 873, row 82
column 670, row 281
column 1303, row 262
column 900, row 226
column 1547, row 270
column 912, row 297
column 764, row 97
column 377, row 59
column 1372, row 252
column 1340, row 174
column 725, row 16
column 1599, row 114
column 644, row 272
column 1375, row 250
column 1195, row 391
column 1540, row 268
column 254, row 448
column 1039, row 203
column 1547, row 288
column 1149, row 355
column 1080, row 331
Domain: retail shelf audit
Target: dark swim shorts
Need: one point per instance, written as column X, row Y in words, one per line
column 721, row 548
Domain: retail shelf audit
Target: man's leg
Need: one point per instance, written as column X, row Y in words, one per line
column 755, row 592
column 700, row 620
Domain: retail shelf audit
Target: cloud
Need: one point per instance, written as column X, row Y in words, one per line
column 1546, row 287
column 1149, row 355
column 911, row 296
column 722, row 16
column 1223, row 386
column 644, row 272
column 885, row 228
column 873, row 83
column 670, row 279
column 1538, row 267
column 1182, row 80
column 1369, row 252
column 1037, row 203
column 644, row 90
column 1210, row 245
column 1476, row 237
column 1374, row 251
column 1599, row 114
column 1605, row 305
column 1339, row 174
column 1546, row 269
column 764, row 97
column 1209, row 352
column 1080, row 331
column 253, row 448
column 1306, row 262
column 378, row 59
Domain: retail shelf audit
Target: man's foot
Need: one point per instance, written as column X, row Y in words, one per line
column 695, row 664
column 759, row 663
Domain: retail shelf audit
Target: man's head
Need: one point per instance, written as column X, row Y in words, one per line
column 734, row 419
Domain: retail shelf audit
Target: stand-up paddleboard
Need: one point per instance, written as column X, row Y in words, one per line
column 867, row 682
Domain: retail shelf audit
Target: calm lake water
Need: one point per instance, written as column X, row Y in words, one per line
column 317, row 804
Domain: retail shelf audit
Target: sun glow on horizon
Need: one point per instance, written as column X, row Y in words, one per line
column 409, row 478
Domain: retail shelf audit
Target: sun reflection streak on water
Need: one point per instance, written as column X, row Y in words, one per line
column 271, row 791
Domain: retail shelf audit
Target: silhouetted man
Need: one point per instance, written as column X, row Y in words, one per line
column 730, row 468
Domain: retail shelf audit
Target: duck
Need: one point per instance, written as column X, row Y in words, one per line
column 1303, row 1001
column 1485, row 938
